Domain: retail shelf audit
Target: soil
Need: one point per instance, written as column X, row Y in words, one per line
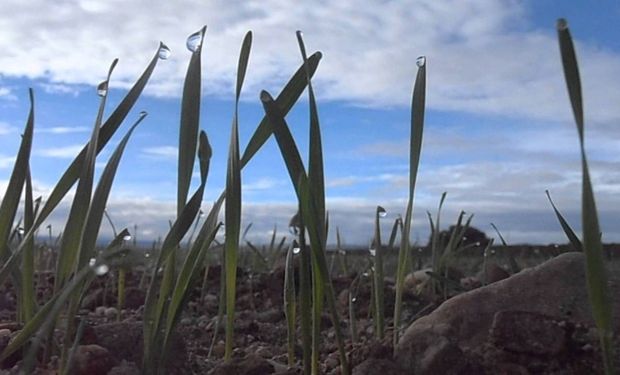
column 113, row 346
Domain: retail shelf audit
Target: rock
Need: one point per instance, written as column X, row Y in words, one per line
column 250, row 365
column 125, row 368
column 555, row 289
column 528, row 332
column 373, row 366
column 92, row 360
column 494, row 273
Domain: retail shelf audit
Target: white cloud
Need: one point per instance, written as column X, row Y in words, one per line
column 6, row 161
column 65, row 152
column 161, row 152
column 483, row 57
column 63, row 129
column 6, row 128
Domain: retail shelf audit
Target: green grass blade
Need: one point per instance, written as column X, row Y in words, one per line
column 308, row 209
column 285, row 100
column 27, row 289
column 514, row 266
column 290, row 305
column 570, row 234
column 596, row 272
column 10, row 201
column 233, row 203
column 190, row 120
column 415, row 148
column 378, row 279
column 100, row 199
column 155, row 303
column 69, row 251
column 71, row 175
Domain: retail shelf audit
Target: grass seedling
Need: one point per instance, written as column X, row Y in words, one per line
column 596, row 272
column 311, row 201
column 290, row 304
column 233, row 202
column 415, row 149
column 376, row 251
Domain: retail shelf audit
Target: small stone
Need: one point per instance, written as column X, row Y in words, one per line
column 110, row 312
column 92, row 360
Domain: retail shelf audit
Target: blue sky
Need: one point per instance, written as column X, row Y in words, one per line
column 498, row 129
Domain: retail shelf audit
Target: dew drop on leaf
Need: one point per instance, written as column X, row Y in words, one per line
column 420, row 61
column 102, row 88
column 194, row 41
column 164, row 52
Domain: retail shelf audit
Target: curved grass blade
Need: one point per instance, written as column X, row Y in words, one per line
column 514, row 266
column 570, row 234
column 71, row 175
column 10, row 201
column 299, row 178
column 190, row 119
column 285, row 100
column 69, row 251
column 596, row 272
column 415, row 148
column 27, row 287
column 155, row 303
column 100, row 198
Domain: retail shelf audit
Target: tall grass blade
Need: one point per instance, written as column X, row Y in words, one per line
column 378, row 279
column 596, row 272
column 27, row 294
column 71, row 175
column 290, row 305
column 233, row 202
column 285, row 100
column 190, row 119
column 415, row 148
column 68, row 253
column 10, row 201
column 308, row 211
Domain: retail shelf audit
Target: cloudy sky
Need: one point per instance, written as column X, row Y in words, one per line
column 498, row 129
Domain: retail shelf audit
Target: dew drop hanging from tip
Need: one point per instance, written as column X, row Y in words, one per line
column 194, row 41
column 420, row 61
column 164, row 52
column 561, row 24
column 102, row 88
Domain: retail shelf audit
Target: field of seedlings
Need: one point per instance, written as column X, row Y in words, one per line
column 192, row 304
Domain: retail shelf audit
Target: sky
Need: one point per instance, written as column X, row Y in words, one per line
column 498, row 129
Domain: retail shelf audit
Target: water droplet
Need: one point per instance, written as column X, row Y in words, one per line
column 164, row 51
column 373, row 252
column 20, row 230
column 420, row 61
column 127, row 237
column 92, row 262
column 354, row 299
column 194, row 41
column 143, row 113
column 102, row 88
column 381, row 211
column 296, row 250
column 477, row 243
column 102, row 269
column 561, row 24
column 419, row 250
column 342, row 252
column 492, row 252
column 147, row 255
